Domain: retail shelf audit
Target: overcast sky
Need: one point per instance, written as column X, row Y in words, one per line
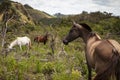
column 74, row 6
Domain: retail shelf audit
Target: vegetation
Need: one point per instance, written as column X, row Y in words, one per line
column 40, row 62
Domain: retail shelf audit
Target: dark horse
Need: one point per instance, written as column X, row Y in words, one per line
column 101, row 55
column 42, row 39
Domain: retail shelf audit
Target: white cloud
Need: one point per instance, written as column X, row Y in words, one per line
column 110, row 3
column 74, row 6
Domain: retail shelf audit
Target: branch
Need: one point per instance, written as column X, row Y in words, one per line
column 9, row 19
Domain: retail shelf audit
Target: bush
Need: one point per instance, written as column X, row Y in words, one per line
column 47, row 68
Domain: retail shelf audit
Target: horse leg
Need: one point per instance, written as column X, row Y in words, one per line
column 89, row 69
column 89, row 72
column 38, row 44
column 20, row 47
column 44, row 43
column 28, row 46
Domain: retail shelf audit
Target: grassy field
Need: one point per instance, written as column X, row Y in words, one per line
column 40, row 63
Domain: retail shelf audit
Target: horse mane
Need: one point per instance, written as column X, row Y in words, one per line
column 86, row 26
column 95, row 34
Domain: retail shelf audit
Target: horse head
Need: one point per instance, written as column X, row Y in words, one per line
column 35, row 39
column 46, row 35
column 77, row 30
column 9, row 48
column 72, row 35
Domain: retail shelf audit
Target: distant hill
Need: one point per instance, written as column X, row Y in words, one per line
column 22, row 13
column 92, row 17
column 59, row 15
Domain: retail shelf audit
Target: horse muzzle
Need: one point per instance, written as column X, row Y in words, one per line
column 65, row 42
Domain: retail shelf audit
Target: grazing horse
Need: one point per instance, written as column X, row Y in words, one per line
column 42, row 39
column 20, row 41
column 101, row 55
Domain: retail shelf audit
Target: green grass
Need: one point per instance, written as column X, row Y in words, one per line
column 38, row 62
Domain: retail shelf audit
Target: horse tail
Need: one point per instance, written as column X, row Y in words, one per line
column 113, row 68
column 117, row 68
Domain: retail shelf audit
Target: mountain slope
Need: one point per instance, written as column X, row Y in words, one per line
column 22, row 13
column 36, row 14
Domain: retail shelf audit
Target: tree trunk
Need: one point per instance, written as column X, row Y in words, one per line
column 4, row 30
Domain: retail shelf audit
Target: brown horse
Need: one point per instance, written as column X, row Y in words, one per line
column 42, row 39
column 101, row 55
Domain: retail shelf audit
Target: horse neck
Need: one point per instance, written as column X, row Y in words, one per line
column 85, row 35
column 46, row 36
column 13, row 44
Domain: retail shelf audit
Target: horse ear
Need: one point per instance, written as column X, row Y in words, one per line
column 74, row 22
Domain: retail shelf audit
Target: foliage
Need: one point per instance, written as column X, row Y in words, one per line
column 39, row 62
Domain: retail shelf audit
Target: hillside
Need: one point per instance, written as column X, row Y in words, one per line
column 22, row 13
column 98, row 20
column 36, row 14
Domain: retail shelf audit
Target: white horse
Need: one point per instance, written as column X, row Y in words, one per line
column 20, row 41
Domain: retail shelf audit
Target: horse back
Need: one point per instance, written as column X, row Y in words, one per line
column 115, row 44
column 106, row 47
column 40, row 39
column 23, row 40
